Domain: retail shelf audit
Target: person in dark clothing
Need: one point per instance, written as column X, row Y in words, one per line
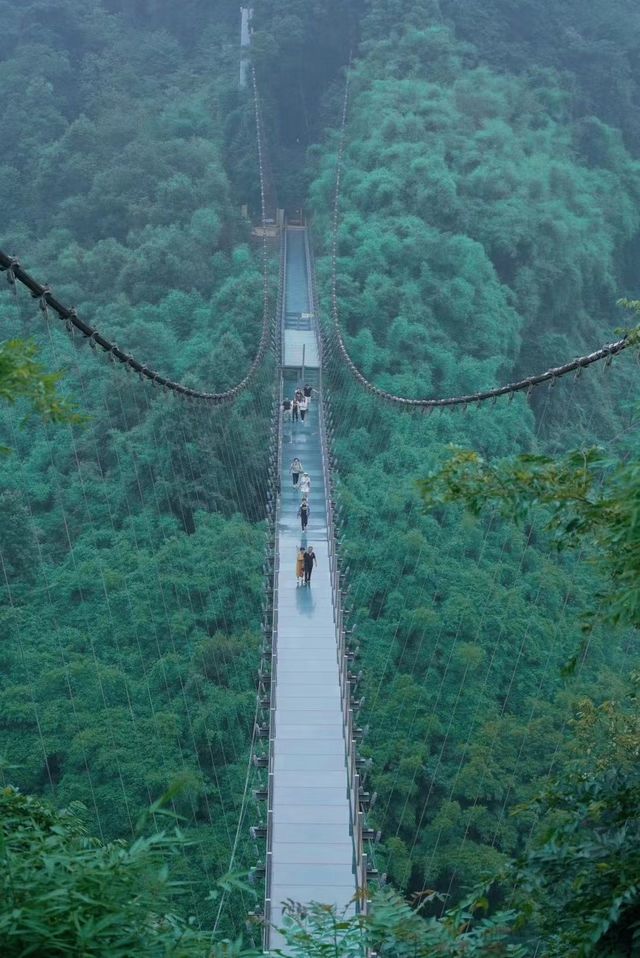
column 309, row 562
column 304, row 512
column 294, row 410
column 307, row 390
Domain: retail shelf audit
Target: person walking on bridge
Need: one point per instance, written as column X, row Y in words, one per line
column 305, row 485
column 307, row 391
column 303, row 405
column 309, row 562
column 304, row 512
column 300, row 566
column 296, row 469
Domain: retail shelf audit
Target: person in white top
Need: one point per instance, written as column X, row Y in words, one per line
column 304, row 485
column 303, row 405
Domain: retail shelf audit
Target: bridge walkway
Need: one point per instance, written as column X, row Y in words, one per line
column 311, row 849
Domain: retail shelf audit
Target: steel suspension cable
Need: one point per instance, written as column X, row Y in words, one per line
column 336, row 373
column 46, row 299
column 427, row 405
column 135, row 393
column 452, row 714
column 488, row 530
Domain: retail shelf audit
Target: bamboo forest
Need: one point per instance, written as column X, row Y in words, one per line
column 319, row 478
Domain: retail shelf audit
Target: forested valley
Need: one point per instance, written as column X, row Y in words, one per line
column 489, row 221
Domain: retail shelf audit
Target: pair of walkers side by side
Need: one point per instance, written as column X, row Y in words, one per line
column 305, row 561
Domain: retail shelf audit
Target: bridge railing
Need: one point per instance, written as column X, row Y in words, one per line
column 279, row 333
column 360, row 858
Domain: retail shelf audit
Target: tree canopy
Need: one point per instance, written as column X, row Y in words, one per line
column 488, row 224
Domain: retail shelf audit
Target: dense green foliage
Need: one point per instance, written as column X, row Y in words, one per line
column 22, row 377
column 394, row 929
column 65, row 893
column 579, row 880
column 70, row 894
column 588, row 496
column 489, row 221
column 591, row 46
column 131, row 545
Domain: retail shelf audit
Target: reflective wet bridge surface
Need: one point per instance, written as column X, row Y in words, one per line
column 311, row 850
column 299, row 334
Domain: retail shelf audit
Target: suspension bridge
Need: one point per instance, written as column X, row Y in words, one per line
column 306, row 732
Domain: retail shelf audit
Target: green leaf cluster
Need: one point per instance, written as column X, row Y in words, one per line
column 578, row 882
column 131, row 551
column 22, row 377
column 588, row 500
column 65, row 893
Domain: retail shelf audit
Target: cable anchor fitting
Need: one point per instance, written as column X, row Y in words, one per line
column 43, row 305
column 70, row 320
column 14, row 264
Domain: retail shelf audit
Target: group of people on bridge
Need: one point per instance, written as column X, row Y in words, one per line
column 296, row 409
column 306, row 557
column 305, row 561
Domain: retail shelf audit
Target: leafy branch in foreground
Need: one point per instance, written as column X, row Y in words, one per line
column 394, row 929
column 588, row 500
column 579, row 883
column 65, row 893
column 23, row 377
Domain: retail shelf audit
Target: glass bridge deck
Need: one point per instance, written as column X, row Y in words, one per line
column 312, row 850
